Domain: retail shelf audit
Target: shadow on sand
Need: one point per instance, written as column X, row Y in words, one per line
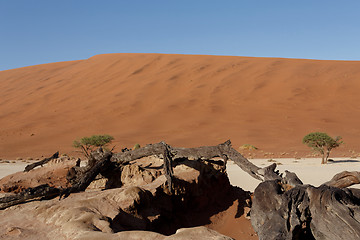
column 343, row 161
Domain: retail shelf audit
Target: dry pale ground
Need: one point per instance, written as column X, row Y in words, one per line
column 309, row 170
column 10, row 167
column 185, row 100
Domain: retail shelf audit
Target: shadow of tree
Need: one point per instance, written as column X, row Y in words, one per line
column 331, row 161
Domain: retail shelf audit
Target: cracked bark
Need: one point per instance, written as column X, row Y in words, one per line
column 284, row 208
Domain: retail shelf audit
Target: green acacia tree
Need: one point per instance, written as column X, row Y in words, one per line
column 89, row 144
column 322, row 143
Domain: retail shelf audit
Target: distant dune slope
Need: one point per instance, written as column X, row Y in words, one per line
column 184, row 100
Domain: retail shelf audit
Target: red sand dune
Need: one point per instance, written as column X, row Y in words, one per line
column 184, row 100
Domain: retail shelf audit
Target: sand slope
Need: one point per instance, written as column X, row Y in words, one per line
column 183, row 99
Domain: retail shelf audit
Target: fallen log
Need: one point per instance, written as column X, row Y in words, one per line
column 344, row 179
column 41, row 163
column 334, row 213
column 39, row 192
column 224, row 151
column 284, row 208
column 98, row 161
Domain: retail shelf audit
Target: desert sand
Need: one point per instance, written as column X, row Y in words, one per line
column 185, row 100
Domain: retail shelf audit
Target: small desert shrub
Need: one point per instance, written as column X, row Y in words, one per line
column 269, row 153
column 248, row 147
column 88, row 144
column 136, row 146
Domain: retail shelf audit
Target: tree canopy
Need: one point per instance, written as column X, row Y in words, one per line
column 88, row 144
column 322, row 143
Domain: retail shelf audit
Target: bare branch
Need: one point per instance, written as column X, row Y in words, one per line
column 42, row 162
column 344, row 179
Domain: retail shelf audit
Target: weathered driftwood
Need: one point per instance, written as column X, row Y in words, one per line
column 269, row 172
column 344, row 179
column 284, row 208
column 98, row 161
column 41, row 163
column 335, row 213
column 223, row 150
column 168, row 168
column 42, row 191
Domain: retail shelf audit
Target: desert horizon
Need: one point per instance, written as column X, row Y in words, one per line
column 184, row 100
column 179, row 120
column 265, row 106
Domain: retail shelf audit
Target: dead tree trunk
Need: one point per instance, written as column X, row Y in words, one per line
column 344, row 179
column 39, row 192
column 80, row 177
column 99, row 161
column 284, row 208
column 168, row 168
column 41, row 163
column 223, row 150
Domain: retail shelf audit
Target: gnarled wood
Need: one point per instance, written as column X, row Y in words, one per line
column 284, row 208
column 278, row 214
column 344, row 179
column 42, row 191
column 223, row 150
column 269, row 172
column 98, row 162
column 168, row 168
column 335, row 213
column 40, row 163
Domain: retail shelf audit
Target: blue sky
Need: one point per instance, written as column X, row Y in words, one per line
column 43, row 31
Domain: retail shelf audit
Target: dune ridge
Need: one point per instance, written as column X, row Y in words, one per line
column 185, row 100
